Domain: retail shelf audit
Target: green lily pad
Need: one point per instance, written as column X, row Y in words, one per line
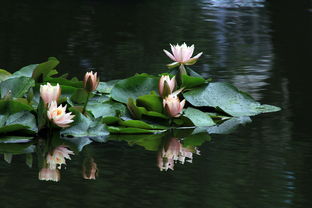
column 4, row 75
column 18, row 121
column 198, row 117
column 15, row 139
column 140, row 124
column 131, row 130
column 85, row 127
column 227, row 98
column 16, row 86
column 134, row 87
column 43, row 70
column 108, row 108
column 13, row 106
column 106, row 87
column 150, row 102
column 191, row 82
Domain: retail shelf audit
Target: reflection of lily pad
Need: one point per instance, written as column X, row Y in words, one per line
column 228, row 126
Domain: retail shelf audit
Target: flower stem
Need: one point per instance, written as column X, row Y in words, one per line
column 86, row 103
column 182, row 70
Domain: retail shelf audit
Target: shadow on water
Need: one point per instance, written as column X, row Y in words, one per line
column 264, row 48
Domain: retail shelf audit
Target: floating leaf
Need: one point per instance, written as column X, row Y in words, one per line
column 85, row 127
column 106, row 87
column 43, row 70
column 108, row 108
column 140, row 124
column 15, row 139
column 228, row 98
column 131, row 130
column 26, row 71
column 16, row 86
column 19, row 121
column 14, row 106
column 4, row 75
column 198, row 117
column 150, row 102
column 191, row 82
column 134, row 87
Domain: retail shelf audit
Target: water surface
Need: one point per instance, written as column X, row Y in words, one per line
column 263, row 48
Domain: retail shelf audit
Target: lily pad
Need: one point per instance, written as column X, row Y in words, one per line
column 85, row 127
column 134, row 87
column 198, row 117
column 227, row 98
column 19, row 121
column 16, row 86
column 108, row 108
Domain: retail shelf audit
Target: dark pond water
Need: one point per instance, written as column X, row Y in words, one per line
column 264, row 48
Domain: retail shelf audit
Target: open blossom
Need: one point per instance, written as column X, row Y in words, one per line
column 172, row 152
column 166, row 82
column 173, row 105
column 58, row 115
column 47, row 174
column 50, row 93
column 91, row 81
column 181, row 54
column 58, row 156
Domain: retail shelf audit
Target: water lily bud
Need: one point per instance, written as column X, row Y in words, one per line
column 50, row 93
column 47, row 174
column 58, row 115
column 91, row 81
column 181, row 54
column 173, row 105
column 166, row 85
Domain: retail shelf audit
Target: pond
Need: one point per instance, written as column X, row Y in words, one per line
column 262, row 161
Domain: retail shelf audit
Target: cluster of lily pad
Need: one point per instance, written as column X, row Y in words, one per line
column 35, row 99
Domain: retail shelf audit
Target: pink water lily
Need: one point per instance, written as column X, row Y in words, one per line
column 173, row 105
column 50, row 93
column 182, row 54
column 57, row 158
column 91, row 81
column 47, row 174
column 174, row 151
column 171, row 84
column 58, row 115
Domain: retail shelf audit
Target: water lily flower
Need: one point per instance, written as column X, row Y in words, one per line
column 58, row 156
column 173, row 105
column 47, row 174
column 174, row 151
column 50, row 93
column 91, row 81
column 90, row 170
column 166, row 85
column 58, row 115
column 181, row 54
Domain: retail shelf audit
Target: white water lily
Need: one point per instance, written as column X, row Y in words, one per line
column 58, row 115
column 182, row 54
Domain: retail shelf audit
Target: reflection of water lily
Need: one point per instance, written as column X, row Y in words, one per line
column 181, row 54
column 174, row 151
column 58, row 156
column 171, row 83
column 90, row 170
column 47, row 174
column 50, row 93
column 58, row 115
column 91, row 81
column 173, row 105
